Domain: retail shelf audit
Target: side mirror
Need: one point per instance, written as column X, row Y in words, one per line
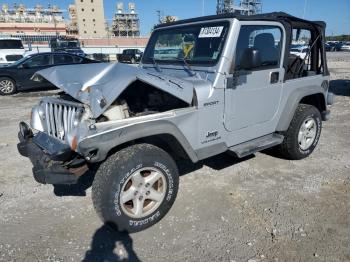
column 250, row 59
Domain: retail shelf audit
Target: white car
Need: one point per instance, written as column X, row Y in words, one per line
column 300, row 51
column 11, row 50
column 346, row 47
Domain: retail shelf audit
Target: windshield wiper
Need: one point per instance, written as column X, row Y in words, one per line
column 189, row 68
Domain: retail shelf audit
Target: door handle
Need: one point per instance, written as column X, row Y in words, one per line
column 274, row 77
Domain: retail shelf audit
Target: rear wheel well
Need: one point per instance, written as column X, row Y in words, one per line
column 316, row 100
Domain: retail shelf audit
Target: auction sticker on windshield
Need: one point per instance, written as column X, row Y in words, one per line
column 211, row 31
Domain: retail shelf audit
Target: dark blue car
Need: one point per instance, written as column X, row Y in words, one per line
column 17, row 76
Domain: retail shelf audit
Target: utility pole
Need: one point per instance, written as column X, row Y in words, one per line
column 305, row 7
column 160, row 18
column 203, row 4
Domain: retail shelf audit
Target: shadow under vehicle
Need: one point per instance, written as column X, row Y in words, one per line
column 228, row 84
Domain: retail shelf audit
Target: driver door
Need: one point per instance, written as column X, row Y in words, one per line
column 30, row 67
column 252, row 97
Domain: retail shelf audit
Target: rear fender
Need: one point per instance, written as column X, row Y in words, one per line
column 292, row 103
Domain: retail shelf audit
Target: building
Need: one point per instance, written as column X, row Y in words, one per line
column 126, row 23
column 90, row 18
column 246, row 7
column 72, row 25
column 32, row 24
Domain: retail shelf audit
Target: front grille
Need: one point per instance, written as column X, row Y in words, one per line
column 13, row 58
column 60, row 116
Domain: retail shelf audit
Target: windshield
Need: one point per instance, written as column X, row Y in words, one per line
column 20, row 61
column 11, row 44
column 197, row 44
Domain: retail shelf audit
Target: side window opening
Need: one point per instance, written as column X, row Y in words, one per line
column 267, row 40
column 37, row 61
column 63, row 59
column 305, row 57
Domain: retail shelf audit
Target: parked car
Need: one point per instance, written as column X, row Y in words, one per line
column 130, row 55
column 345, row 47
column 11, row 50
column 328, row 47
column 334, row 46
column 69, row 45
column 237, row 91
column 100, row 57
column 18, row 76
column 300, row 51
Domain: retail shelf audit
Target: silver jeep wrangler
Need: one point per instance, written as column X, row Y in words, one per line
column 204, row 86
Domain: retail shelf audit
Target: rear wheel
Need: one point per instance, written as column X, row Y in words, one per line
column 135, row 187
column 7, row 86
column 303, row 134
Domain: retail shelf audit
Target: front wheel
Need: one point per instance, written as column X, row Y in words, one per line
column 7, row 86
column 135, row 187
column 303, row 134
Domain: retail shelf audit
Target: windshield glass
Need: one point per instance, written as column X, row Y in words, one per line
column 11, row 44
column 197, row 44
column 20, row 61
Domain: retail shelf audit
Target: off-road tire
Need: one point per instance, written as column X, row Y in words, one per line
column 290, row 147
column 10, row 81
column 114, row 173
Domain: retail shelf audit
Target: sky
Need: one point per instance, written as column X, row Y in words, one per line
column 335, row 13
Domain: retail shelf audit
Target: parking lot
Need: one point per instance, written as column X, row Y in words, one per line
column 261, row 208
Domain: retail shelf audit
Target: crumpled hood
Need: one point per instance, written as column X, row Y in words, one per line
column 99, row 85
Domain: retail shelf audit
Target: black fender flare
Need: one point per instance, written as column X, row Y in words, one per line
column 104, row 142
column 292, row 103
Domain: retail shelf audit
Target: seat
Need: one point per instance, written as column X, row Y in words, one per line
column 265, row 43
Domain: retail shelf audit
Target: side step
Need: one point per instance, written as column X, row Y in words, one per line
column 256, row 145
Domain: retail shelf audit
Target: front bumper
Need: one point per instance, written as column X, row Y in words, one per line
column 53, row 161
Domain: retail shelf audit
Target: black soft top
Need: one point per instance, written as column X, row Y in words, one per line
column 275, row 16
column 289, row 22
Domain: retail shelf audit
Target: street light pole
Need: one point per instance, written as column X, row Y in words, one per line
column 305, row 6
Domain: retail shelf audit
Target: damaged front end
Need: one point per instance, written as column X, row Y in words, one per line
column 99, row 85
column 53, row 161
column 96, row 97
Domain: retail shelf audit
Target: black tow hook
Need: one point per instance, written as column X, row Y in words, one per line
column 25, row 130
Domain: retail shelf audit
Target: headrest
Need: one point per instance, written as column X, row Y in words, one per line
column 264, row 39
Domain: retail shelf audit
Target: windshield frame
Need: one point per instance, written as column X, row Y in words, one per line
column 155, row 35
